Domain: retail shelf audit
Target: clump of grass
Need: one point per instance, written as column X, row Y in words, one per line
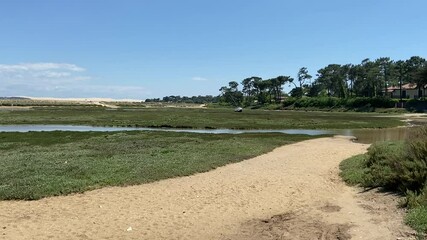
column 396, row 166
column 415, row 199
column 353, row 170
column 375, row 168
column 41, row 164
column 417, row 219
column 381, row 162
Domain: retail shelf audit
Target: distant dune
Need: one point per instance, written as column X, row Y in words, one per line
column 12, row 98
column 83, row 99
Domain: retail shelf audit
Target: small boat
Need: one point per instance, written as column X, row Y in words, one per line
column 238, row 109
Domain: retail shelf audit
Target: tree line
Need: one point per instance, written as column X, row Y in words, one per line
column 184, row 99
column 370, row 78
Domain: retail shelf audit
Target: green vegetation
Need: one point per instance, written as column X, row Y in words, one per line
column 399, row 167
column 368, row 82
column 40, row 164
column 417, row 219
column 353, row 170
column 361, row 87
column 362, row 104
column 184, row 99
column 416, row 105
column 197, row 118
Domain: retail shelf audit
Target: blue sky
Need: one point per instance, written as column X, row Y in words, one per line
column 152, row 48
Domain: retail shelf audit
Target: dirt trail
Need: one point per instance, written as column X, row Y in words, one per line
column 293, row 192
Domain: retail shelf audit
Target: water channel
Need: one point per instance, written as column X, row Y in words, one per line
column 361, row 135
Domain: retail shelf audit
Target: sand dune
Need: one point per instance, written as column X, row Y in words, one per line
column 84, row 99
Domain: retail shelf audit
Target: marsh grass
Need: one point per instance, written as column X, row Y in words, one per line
column 417, row 219
column 353, row 170
column 198, row 118
column 41, row 164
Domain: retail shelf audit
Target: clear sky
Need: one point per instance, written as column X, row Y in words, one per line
column 152, row 48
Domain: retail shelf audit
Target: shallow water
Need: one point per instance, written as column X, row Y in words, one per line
column 50, row 128
column 376, row 135
column 47, row 128
column 362, row 135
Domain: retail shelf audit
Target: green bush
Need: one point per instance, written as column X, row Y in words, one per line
column 353, row 170
column 376, row 102
column 289, row 102
column 417, row 219
column 415, row 105
column 358, row 103
column 413, row 170
column 381, row 161
column 397, row 166
column 415, row 199
column 318, row 102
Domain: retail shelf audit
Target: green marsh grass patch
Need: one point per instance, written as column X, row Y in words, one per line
column 41, row 164
column 198, row 118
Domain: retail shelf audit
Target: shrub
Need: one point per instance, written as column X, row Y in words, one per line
column 415, row 199
column 400, row 166
column 413, row 170
column 353, row 170
column 309, row 102
column 417, row 219
column 289, row 102
column 381, row 161
column 416, row 105
column 358, row 103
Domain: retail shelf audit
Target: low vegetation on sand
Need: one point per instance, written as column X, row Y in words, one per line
column 41, row 164
column 396, row 166
column 197, row 118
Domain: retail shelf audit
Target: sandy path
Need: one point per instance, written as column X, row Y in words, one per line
column 293, row 192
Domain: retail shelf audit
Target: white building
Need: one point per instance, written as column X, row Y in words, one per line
column 409, row 90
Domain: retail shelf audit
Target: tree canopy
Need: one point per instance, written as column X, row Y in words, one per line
column 369, row 78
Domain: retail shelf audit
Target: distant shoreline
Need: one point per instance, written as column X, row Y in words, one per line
column 83, row 99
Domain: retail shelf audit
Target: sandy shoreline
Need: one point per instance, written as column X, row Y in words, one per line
column 83, row 99
column 293, row 192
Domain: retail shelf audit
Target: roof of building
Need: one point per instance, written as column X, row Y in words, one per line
column 408, row 86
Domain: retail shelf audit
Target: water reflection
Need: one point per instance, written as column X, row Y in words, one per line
column 50, row 128
column 362, row 135
column 47, row 128
column 375, row 135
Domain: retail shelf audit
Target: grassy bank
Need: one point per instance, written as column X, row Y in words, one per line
column 197, row 118
column 399, row 167
column 40, row 164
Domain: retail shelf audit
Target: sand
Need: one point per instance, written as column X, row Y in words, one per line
column 83, row 100
column 293, row 192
